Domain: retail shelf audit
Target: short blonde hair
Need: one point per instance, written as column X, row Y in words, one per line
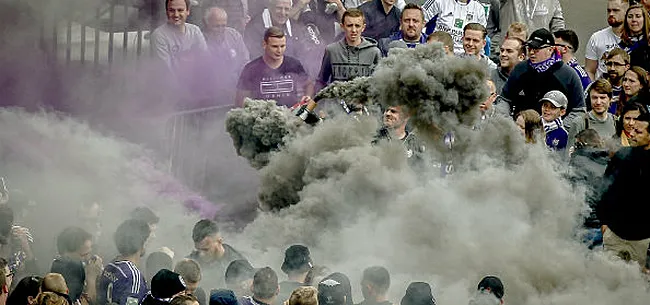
column 50, row 298
column 518, row 30
column 305, row 295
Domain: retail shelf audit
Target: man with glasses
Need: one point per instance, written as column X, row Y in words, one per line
column 617, row 62
column 544, row 71
column 603, row 41
column 566, row 42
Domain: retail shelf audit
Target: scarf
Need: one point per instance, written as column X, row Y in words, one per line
column 547, row 64
column 553, row 125
column 266, row 18
column 635, row 42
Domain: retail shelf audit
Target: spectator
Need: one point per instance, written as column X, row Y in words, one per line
column 147, row 215
column 15, row 245
column 156, row 261
column 554, row 104
column 544, row 71
column 55, row 283
column 617, row 62
column 321, row 16
column 517, row 30
column 122, row 282
column 546, row 14
column 296, row 265
column 410, row 34
column 474, row 35
column 488, row 109
column 588, row 162
column 274, row 75
column 395, row 120
column 567, row 43
column 76, row 264
column 382, row 18
column 5, row 281
column 212, row 254
column 227, row 51
column 626, row 122
column 510, row 55
column 177, row 42
column 490, row 291
column 598, row 119
column 190, row 271
column 306, row 295
column 635, row 86
column 265, row 288
column 374, row 286
column 418, row 293
column 335, row 289
column 351, row 57
column 223, row 297
column 165, row 286
column 50, row 298
column 635, row 38
column 530, row 124
column 237, row 17
column 239, row 277
column 451, row 16
column 622, row 213
column 605, row 40
column 276, row 15
column 25, row 291
column 445, row 39
column 184, row 300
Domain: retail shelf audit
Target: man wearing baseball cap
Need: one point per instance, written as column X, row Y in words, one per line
column 554, row 104
column 544, row 71
column 490, row 291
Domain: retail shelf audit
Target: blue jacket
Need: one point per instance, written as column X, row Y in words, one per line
column 384, row 43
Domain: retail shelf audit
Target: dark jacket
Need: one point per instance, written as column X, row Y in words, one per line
column 525, row 87
column 342, row 62
column 639, row 53
column 624, row 207
column 384, row 44
column 587, row 168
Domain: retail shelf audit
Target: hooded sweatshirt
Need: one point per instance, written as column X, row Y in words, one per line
column 343, row 62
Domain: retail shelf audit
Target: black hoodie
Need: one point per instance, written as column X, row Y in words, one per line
column 587, row 168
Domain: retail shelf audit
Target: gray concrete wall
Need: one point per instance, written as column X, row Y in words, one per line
column 585, row 17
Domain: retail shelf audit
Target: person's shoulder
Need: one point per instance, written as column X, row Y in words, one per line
column 233, row 33
column 291, row 62
column 231, row 254
column 192, row 27
column 604, row 32
column 254, row 64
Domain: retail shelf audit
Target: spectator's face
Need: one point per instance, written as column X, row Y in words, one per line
column 631, row 83
column 616, row 67
column 521, row 123
column 550, row 112
column 412, row 23
column 389, row 2
column 274, row 47
column 599, row 102
column 473, row 42
column 84, row 252
column 616, row 12
column 353, row 27
column 510, row 54
column 487, row 104
column 280, row 11
column 629, row 119
column 541, row 54
column 562, row 46
column 394, row 117
column 634, row 20
column 177, row 12
column 639, row 135
column 215, row 23
column 190, row 287
column 210, row 247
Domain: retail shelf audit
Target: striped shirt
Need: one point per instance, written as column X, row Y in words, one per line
column 121, row 283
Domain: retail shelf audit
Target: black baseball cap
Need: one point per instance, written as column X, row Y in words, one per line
column 492, row 284
column 540, row 38
column 296, row 258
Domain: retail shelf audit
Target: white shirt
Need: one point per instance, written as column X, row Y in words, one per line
column 452, row 16
column 599, row 45
column 175, row 47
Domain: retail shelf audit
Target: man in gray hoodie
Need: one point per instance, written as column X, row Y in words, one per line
column 352, row 56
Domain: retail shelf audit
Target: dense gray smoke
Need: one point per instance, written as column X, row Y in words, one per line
column 507, row 211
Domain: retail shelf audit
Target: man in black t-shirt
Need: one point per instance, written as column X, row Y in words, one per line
column 273, row 75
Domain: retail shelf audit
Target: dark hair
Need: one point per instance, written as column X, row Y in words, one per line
column 377, row 276
column 6, row 222
column 601, row 86
column 353, row 12
column 588, row 138
column 155, row 262
column 442, row 37
column 344, row 281
column 71, row 239
column 239, row 270
column 204, row 228
column 570, row 37
column 131, row 236
column 412, row 6
column 26, row 287
column 644, row 116
column 265, row 283
column 475, row 27
column 145, row 214
column 274, row 32
column 187, row 4
column 632, row 106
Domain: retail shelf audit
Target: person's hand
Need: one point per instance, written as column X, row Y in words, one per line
column 94, row 267
column 603, row 229
column 303, row 3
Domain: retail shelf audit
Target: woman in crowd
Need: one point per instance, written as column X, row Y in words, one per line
column 530, row 124
column 26, row 291
column 635, row 86
column 625, row 122
column 636, row 32
column 51, row 298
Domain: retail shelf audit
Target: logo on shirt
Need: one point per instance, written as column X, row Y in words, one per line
column 458, row 23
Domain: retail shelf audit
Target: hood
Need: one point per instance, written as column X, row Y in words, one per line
column 366, row 42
